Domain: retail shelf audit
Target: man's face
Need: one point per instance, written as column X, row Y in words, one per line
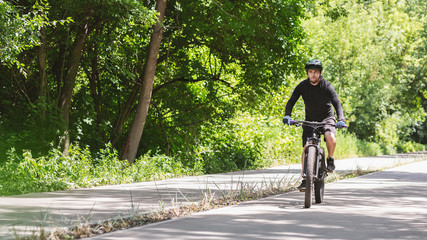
column 314, row 76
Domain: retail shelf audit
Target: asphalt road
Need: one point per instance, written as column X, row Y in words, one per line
column 390, row 204
column 28, row 213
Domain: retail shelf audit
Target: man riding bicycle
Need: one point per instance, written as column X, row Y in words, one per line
column 319, row 96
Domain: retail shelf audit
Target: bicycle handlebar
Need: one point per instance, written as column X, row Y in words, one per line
column 313, row 124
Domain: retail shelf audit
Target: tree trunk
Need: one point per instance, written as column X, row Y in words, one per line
column 95, row 89
column 132, row 143
column 125, row 113
column 42, row 64
column 43, row 88
column 66, row 92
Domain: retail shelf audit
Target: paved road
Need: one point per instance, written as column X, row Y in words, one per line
column 26, row 213
column 391, row 204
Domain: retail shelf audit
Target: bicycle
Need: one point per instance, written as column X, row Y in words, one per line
column 314, row 163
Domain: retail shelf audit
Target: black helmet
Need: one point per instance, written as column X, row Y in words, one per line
column 314, row 64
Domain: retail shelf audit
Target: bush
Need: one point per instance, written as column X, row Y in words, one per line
column 282, row 144
column 26, row 174
column 157, row 167
column 405, row 147
column 368, row 148
column 232, row 146
column 33, row 127
column 346, row 145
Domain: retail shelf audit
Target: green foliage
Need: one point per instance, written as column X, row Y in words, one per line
column 231, row 146
column 20, row 30
column 237, row 32
column 224, row 74
column 213, row 60
column 373, row 55
column 35, row 127
column 31, row 121
column 217, row 62
column 17, row 31
column 346, row 145
column 405, row 147
column 25, row 174
column 368, row 148
column 282, row 145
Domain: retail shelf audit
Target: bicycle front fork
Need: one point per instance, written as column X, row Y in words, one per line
column 316, row 163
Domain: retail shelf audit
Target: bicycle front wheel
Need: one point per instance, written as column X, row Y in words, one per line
column 309, row 181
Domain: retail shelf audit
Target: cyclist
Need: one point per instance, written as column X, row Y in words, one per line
column 319, row 96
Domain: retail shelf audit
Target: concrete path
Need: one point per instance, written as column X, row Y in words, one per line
column 391, row 204
column 25, row 213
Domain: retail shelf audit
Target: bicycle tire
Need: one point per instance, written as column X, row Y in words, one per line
column 319, row 185
column 319, row 190
column 309, row 181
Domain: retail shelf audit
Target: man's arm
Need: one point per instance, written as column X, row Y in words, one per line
column 336, row 103
column 291, row 102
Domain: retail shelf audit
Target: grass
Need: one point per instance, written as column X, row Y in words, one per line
column 26, row 174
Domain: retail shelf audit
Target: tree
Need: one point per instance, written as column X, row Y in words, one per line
column 54, row 69
column 91, row 15
column 215, row 61
column 68, row 83
column 134, row 136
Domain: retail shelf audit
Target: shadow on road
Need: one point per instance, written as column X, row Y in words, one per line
column 383, row 205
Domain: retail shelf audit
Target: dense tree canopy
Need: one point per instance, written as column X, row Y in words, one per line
column 84, row 76
column 72, row 71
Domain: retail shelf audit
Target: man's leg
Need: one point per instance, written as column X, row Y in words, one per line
column 304, row 141
column 302, row 158
column 302, row 185
column 331, row 143
column 306, row 132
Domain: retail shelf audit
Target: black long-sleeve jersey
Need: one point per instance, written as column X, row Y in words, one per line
column 318, row 101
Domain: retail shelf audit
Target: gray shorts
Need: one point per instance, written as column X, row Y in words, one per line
column 308, row 131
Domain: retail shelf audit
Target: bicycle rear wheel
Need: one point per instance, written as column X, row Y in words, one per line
column 309, row 182
column 319, row 185
column 319, row 190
